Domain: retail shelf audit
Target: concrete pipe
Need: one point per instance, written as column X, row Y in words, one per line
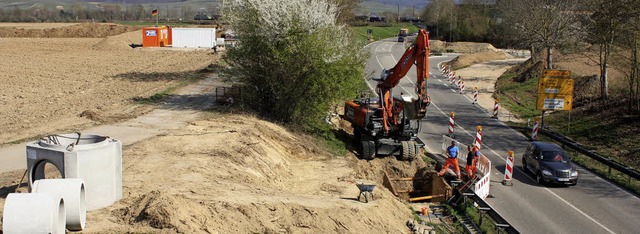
column 33, row 213
column 73, row 194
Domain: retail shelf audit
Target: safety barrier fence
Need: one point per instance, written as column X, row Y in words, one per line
column 611, row 164
column 482, row 185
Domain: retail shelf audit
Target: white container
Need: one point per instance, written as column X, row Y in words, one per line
column 95, row 159
column 193, row 37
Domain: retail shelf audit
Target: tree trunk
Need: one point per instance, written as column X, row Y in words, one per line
column 633, row 76
column 549, row 57
column 533, row 54
column 604, row 85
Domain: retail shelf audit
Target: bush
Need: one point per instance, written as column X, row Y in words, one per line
column 294, row 57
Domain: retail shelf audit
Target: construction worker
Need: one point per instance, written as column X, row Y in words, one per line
column 472, row 160
column 452, row 159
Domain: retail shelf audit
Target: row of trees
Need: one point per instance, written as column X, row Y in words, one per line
column 102, row 13
column 546, row 25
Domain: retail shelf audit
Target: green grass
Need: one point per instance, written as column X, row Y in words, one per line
column 519, row 98
column 381, row 31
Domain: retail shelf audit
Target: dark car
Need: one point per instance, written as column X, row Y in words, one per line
column 550, row 163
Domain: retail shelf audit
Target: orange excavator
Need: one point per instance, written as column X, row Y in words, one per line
column 386, row 124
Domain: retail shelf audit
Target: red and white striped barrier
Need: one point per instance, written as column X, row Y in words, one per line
column 534, row 133
column 459, row 82
column 508, row 170
column 475, row 95
column 496, row 106
column 462, row 88
column 478, row 141
column 451, row 123
column 482, row 186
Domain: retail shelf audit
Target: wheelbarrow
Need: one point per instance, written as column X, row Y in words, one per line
column 366, row 190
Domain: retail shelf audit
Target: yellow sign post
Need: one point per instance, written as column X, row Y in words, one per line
column 555, row 90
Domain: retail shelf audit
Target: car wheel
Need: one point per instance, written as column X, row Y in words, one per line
column 539, row 178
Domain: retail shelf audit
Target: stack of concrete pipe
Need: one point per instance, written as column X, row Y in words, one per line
column 92, row 166
column 53, row 206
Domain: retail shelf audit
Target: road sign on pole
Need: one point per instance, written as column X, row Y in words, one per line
column 555, row 90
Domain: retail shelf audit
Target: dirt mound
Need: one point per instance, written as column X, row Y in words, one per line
column 466, row 60
column 120, row 42
column 163, row 211
column 239, row 174
column 84, row 30
column 460, row 47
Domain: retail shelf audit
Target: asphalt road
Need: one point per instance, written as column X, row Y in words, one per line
column 592, row 206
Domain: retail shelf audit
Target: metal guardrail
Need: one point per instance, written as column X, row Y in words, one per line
column 579, row 148
column 500, row 223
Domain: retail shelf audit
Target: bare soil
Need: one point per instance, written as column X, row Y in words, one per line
column 55, row 84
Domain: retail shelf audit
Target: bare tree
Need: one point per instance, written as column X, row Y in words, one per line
column 441, row 12
column 608, row 22
column 543, row 23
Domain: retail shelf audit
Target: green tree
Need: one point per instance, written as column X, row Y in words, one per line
column 294, row 58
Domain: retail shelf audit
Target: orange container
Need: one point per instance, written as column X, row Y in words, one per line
column 155, row 36
column 170, row 42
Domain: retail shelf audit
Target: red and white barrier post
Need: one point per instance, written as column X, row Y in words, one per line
column 475, row 95
column 478, row 141
column 534, row 133
column 508, row 171
column 459, row 82
column 451, row 123
column 496, row 106
column 462, row 87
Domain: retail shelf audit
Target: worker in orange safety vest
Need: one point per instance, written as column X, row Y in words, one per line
column 452, row 159
column 472, row 160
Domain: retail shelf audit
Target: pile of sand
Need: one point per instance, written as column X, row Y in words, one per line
column 84, row 30
column 460, row 47
column 466, row 60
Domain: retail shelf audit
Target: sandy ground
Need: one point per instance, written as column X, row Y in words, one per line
column 483, row 76
column 48, row 83
column 36, row 25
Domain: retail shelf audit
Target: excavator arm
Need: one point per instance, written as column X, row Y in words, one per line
column 418, row 54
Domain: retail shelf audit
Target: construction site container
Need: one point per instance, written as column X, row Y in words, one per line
column 155, row 36
column 193, row 37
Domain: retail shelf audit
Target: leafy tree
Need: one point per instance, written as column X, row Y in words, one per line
column 294, row 58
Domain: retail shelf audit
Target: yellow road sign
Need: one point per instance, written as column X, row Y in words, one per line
column 559, row 86
column 554, row 102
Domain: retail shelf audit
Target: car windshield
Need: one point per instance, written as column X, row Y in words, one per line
column 554, row 156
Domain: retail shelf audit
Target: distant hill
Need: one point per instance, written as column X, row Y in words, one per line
column 380, row 6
